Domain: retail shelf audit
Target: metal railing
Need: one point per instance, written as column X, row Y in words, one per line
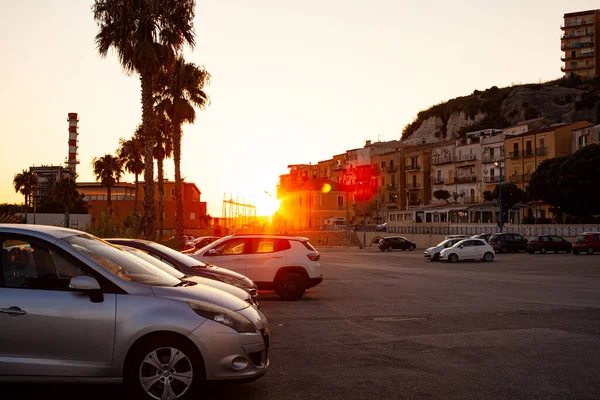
column 466, row 157
column 442, row 160
column 491, row 179
column 412, row 167
column 541, row 151
column 466, row 179
column 436, row 181
column 391, row 187
column 514, row 155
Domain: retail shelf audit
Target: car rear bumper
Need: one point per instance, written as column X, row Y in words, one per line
column 312, row 282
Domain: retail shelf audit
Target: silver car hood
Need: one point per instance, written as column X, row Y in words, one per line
column 256, row 317
column 236, row 291
column 202, row 293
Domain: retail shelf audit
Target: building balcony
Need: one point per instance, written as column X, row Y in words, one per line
column 414, row 186
column 442, row 160
column 541, row 151
column 577, row 68
column 514, row 155
column 392, row 168
column 466, row 179
column 578, row 56
column 487, row 159
column 437, row 181
column 577, row 45
column 527, row 153
column 412, row 167
column 391, row 186
column 415, row 202
column 339, row 168
column 466, row 157
column 575, row 24
column 491, row 179
column 577, row 35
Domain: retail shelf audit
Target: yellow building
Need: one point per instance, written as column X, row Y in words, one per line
column 417, row 176
column 309, row 203
column 579, row 43
column 527, row 150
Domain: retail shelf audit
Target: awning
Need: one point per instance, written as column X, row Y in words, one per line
column 489, row 188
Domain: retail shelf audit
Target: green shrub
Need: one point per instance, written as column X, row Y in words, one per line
column 111, row 227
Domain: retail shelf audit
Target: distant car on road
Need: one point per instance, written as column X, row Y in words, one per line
column 507, row 242
column 547, row 243
column 433, row 253
column 468, row 249
column 390, row 243
column 382, row 227
column 587, row 243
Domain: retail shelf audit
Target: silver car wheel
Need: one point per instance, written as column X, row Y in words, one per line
column 166, row 373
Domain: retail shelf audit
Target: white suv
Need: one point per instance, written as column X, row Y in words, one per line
column 287, row 264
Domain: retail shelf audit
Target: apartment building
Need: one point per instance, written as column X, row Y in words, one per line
column 443, row 170
column 579, row 43
column 492, row 155
column 585, row 136
column 417, row 174
column 527, row 150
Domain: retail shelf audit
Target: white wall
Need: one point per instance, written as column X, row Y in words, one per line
column 78, row 221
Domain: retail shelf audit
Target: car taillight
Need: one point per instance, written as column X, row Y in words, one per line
column 314, row 256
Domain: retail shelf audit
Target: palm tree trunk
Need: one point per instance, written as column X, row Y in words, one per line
column 108, row 199
column 26, row 207
column 137, row 184
column 67, row 218
column 161, row 195
column 148, row 129
column 178, row 192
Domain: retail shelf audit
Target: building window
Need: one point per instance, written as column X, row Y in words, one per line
column 383, row 181
column 492, row 153
column 340, row 201
column 192, row 216
column 515, row 149
column 382, row 165
column 173, row 192
column 317, row 200
column 542, row 143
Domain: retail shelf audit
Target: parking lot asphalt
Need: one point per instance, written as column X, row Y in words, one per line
column 395, row 326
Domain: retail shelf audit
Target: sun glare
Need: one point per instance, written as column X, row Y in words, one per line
column 267, row 205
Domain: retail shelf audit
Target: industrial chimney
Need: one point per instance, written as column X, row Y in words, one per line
column 72, row 160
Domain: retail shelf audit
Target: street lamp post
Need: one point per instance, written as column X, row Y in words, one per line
column 500, row 222
column 364, row 214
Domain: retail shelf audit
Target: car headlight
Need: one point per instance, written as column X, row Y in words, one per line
column 223, row 316
column 232, row 281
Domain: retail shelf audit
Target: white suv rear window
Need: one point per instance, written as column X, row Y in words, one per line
column 308, row 245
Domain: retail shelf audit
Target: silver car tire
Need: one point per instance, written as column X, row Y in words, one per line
column 165, row 368
column 452, row 258
column 488, row 257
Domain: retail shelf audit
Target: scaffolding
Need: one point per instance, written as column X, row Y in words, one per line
column 236, row 214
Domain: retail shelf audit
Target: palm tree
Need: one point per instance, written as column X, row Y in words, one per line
column 145, row 35
column 108, row 171
column 131, row 153
column 24, row 183
column 163, row 149
column 65, row 193
column 181, row 88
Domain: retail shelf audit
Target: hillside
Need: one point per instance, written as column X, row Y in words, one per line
column 563, row 100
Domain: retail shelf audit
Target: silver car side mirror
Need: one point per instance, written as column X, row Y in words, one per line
column 88, row 284
column 211, row 252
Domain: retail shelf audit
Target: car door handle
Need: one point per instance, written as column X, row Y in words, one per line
column 12, row 311
column 240, row 258
column 276, row 256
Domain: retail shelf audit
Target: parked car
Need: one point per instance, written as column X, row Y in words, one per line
column 548, row 243
column 468, row 249
column 287, row 264
column 391, row 243
column 433, row 253
column 506, row 242
column 73, row 307
column 457, row 237
column 587, row 243
column 236, row 291
column 484, row 236
column 381, row 227
column 199, row 243
column 190, row 266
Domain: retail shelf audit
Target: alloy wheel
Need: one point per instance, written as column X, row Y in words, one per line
column 166, row 373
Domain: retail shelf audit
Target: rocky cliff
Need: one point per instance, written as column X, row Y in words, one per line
column 564, row 100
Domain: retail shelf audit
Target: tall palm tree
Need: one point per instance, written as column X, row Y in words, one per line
column 131, row 153
column 181, row 88
column 65, row 193
column 145, row 35
column 24, row 183
column 108, row 171
column 163, row 149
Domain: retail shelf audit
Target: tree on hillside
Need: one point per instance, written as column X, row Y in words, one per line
column 181, row 89
column 442, row 195
column 24, row 183
column 108, row 171
column 131, row 152
column 146, row 34
column 570, row 183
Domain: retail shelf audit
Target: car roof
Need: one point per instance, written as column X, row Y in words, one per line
column 43, row 231
column 272, row 236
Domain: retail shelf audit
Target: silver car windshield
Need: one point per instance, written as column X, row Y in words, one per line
column 443, row 242
column 154, row 261
column 180, row 257
column 120, row 263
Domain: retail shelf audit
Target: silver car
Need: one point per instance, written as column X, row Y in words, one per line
column 74, row 308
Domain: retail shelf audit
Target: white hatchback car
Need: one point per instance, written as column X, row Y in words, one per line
column 287, row 264
column 469, row 249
